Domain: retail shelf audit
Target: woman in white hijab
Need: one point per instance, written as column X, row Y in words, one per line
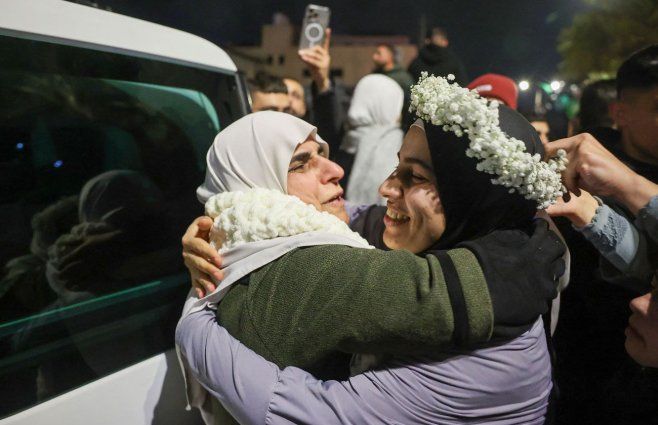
column 374, row 136
column 248, row 166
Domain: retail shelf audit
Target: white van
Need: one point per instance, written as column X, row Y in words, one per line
column 104, row 125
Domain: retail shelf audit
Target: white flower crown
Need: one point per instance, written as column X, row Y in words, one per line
column 461, row 111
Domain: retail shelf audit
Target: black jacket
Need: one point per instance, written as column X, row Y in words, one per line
column 439, row 61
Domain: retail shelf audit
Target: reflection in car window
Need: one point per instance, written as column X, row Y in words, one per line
column 100, row 155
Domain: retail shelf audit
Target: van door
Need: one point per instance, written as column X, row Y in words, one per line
column 100, row 156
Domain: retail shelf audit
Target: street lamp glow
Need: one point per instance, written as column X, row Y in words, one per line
column 524, row 85
column 555, row 85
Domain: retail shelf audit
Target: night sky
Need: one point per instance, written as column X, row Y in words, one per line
column 513, row 37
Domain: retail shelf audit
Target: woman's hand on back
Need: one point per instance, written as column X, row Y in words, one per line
column 202, row 260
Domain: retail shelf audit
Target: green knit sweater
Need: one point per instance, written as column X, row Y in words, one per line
column 315, row 306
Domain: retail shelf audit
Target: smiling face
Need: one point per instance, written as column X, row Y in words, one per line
column 414, row 219
column 313, row 178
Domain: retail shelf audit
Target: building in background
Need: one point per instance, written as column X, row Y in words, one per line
column 351, row 56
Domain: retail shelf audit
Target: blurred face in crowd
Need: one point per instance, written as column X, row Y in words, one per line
column 296, row 96
column 313, row 178
column 261, row 101
column 636, row 116
column 542, row 129
column 414, row 217
column 383, row 58
column 439, row 40
column 642, row 331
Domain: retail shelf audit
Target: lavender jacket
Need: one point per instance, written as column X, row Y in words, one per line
column 507, row 384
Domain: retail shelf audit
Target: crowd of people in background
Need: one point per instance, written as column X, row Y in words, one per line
column 604, row 364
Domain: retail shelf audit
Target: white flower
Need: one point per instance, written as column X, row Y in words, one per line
column 443, row 103
column 259, row 214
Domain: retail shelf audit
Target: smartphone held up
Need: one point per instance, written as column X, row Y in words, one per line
column 316, row 21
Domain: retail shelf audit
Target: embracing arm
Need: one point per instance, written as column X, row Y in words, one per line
column 256, row 391
column 223, row 367
column 361, row 301
column 358, row 300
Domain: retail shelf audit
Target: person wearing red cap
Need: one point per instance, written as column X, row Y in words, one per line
column 496, row 86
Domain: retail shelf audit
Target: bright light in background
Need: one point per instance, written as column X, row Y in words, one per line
column 556, row 85
column 58, row 163
column 524, row 85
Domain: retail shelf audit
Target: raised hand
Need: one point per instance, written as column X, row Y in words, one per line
column 201, row 259
column 318, row 60
column 580, row 210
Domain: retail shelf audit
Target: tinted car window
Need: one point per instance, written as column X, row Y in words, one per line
column 100, row 155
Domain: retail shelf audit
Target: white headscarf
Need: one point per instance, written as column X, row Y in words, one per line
column 377, row 100
column 375, row 136
column 253, row 152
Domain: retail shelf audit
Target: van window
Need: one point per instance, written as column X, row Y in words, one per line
column 100, row 156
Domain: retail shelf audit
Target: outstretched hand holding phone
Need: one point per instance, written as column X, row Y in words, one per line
column 318, row 60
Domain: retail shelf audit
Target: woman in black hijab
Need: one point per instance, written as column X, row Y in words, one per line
column 472, row 204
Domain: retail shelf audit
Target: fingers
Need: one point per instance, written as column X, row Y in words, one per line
column 640, row 305
column 203, row 285
column 202, row 249
column 311, row 55
column 568, row 144
column 193, row 230
column 327, row 39
column 196, row 263
column 204, row 224
column 195, row 241
column 570, row 179
column 310, row 61
column 559, row 209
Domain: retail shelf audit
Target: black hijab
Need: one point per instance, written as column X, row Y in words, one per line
column 472, row 204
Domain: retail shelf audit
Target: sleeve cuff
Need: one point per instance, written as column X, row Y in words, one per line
column 647, row 218
column 613, row 236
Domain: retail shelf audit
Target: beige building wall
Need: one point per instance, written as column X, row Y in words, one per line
column 351, row 56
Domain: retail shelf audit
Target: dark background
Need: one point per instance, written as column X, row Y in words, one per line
column 513, row 37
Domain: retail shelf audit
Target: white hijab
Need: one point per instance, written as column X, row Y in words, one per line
column 374, row 137
column 254, row 152
column 377, row 100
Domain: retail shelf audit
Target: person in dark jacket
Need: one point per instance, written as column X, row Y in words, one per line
column 436, row 58
column 387, row 63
